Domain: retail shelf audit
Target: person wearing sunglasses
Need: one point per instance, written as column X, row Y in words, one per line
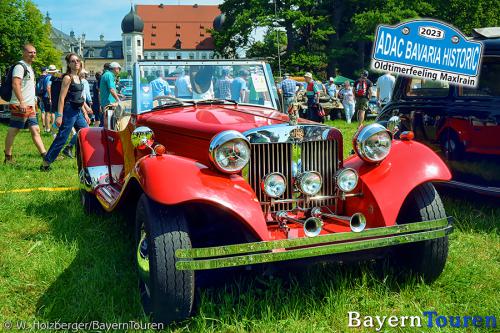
column 71, row 110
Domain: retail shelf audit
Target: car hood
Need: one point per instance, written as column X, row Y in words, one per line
column 205, row 121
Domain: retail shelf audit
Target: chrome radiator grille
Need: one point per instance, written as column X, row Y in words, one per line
column 320, row 156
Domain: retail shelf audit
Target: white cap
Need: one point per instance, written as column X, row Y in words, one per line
column 114, row 64
column 309, row 75
column 52, row 69
column 331, row 78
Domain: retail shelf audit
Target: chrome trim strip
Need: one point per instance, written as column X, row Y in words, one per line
column 285, row 133
column 248, row 253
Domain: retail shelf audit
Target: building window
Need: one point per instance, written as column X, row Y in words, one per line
column 153, row 57
column 191, row 55
column 145, row 57
column 91, row 53
column 204, row 56
column 153, row 43
column 129, row 58
column 139, row 42
column 129, row 41
column 165, row 56
column 129, row 72
column 153, row 35
column 178, row 56
column 110, row 53
column 153, row 26
column 139, row 57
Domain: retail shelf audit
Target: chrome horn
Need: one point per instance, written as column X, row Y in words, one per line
column 357, row 222
column 312, row 226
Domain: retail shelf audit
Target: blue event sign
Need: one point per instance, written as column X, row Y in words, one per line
column 145, row 97
column 428, row 44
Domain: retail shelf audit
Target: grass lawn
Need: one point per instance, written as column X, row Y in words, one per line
column 57, row 264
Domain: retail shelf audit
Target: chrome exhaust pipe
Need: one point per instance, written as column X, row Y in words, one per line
column 357, row 222
column 312, row 226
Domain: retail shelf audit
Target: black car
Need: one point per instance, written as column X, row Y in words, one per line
column 460, row 123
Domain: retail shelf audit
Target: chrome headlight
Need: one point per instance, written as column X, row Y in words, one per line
column 274, row 185
column 229, row 151
column 309, row 182
column 373, row 143
column 347, row 179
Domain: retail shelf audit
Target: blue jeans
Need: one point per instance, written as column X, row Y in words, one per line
column 72, row 117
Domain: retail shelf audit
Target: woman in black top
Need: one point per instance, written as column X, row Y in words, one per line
column 70, row 111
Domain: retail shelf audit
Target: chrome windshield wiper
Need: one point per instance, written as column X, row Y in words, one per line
column 216, row 101
column 173, row 103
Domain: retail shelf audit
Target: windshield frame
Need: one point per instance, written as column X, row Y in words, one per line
column 216, row 62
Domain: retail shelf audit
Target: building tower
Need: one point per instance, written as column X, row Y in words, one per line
column 132, row 38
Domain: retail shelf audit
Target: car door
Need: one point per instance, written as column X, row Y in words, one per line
column 425, row 107
column 483, row 106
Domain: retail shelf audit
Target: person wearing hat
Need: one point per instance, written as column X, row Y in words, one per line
column 331, row 88
column 46, row 99
column 363, row 93
column 107, row 87
column 312, row 94
column 288, row 88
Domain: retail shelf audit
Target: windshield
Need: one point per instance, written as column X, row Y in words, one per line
column 157, row 83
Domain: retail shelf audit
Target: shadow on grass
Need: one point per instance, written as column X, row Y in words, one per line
column 472, row 212
column 100, row 283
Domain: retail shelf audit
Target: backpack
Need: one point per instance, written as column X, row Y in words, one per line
column 55, row 90
column 361, row 87
column 6, row 88
column 41, row 86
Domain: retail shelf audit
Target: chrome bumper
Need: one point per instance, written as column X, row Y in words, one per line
column 288, row 249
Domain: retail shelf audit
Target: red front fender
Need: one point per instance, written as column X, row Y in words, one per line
column 173, row 180
column 408, row 165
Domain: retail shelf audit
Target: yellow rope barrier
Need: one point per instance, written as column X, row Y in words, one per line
column 42, row 189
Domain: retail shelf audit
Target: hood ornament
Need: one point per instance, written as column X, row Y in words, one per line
column 293, row 114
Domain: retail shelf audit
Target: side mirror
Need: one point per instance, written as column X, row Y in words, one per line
column 142, row 137
column 393, row 125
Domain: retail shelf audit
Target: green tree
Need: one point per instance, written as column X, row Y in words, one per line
column 22, row 22
column 331, row 36
column 269, row 47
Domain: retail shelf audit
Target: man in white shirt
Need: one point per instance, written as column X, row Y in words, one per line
column 22, row 103
column 385, row 85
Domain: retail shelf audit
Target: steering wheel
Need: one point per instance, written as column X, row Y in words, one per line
column 164, row 97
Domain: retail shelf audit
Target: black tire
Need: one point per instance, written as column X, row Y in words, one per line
column 90, row 203
column 451, row 146
column 424, row 259
column 167, row 294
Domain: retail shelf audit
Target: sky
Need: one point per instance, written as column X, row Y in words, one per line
column 95, row 17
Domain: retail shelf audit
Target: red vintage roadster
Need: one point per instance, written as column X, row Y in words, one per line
column 219, row 178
